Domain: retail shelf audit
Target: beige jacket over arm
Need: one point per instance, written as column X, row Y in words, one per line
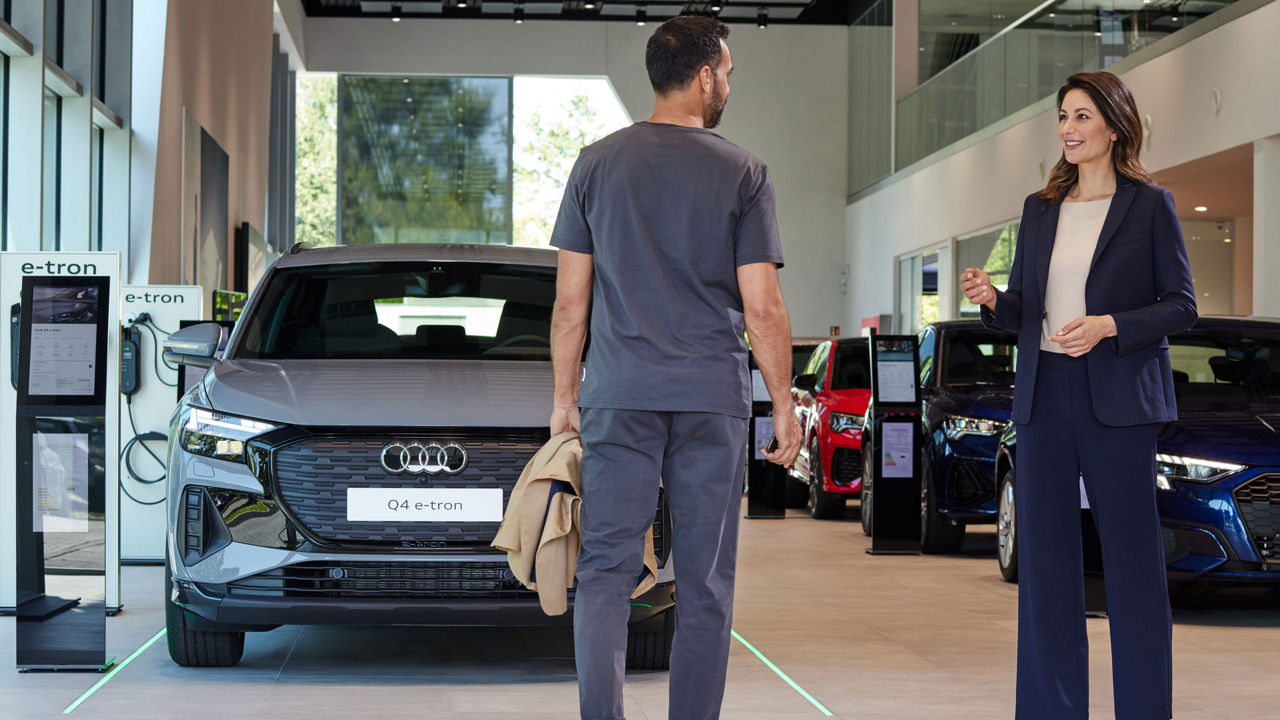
column 539, row 535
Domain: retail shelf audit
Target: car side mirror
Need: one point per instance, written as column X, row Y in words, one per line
column 195, row 345
column 805, row 383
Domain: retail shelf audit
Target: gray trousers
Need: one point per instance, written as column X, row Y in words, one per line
column 699, row 458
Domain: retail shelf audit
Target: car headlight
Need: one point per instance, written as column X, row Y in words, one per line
column 1185, row 469
column 220, row 436
column 845, row 421
column 957, row 427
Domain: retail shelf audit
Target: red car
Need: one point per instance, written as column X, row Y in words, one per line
column 831, row 396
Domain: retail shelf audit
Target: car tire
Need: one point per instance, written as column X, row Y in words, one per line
column 197, row 648
column 938, row 535
column 649, row 647
column 864, row 504
column 1007, row 527
column 822, row 504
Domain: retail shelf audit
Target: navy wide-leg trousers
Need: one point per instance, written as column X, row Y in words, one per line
column 700, row 460
column 1063, row 441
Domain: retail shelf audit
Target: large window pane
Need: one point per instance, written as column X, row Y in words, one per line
column 424, row 160
column 52, row 166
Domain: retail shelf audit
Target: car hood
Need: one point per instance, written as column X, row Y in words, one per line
column 853, row 400
column 1238, row 437
column 395, row 393
column 980, row 401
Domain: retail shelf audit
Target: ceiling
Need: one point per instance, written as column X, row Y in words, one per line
column 780, row 12
column 1222, row 182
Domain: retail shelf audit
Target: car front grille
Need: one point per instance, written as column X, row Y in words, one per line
column 1259, row 504
column 313, row 474
column 970, row 482
column 846, row 465
column 383, row 580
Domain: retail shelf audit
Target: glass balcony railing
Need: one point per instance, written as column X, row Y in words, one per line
column 1030, row 60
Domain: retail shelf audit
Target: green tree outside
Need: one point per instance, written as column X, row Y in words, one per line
column 316, row 160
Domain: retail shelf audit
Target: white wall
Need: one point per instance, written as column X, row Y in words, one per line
column 788, row 106
column 985, row 184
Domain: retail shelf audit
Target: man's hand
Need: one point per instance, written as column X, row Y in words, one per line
column 786, row 427
column 976, row 285
column 564, row 419
column 1080, row 335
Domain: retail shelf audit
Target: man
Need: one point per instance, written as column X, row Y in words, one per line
column 667, row 232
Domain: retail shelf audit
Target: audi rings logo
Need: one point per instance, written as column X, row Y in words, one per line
column 416, row 458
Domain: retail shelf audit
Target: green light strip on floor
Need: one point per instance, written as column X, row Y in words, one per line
column 778, row 671
column 116, row 669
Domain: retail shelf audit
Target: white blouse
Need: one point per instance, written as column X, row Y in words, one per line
column 1079, row 225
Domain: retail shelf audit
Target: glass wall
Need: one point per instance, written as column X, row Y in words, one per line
column 1023, row 63
column 411, row 171
column 52, row 176
column 424, row 160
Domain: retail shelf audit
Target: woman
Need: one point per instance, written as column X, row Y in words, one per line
column 1099, row 279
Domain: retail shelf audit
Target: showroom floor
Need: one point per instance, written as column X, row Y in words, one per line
column 886, row 638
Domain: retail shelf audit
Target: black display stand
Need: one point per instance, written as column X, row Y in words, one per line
column 766, row 482
column 61, row 475
column 894, row 446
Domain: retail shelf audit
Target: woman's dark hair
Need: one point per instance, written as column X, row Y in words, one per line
column 1114, row 100
column 679, row 48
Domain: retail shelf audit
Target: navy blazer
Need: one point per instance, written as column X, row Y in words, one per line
column 1139, row 276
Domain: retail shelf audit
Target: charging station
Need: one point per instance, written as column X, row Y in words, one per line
column 894, row 446
column 148, row 397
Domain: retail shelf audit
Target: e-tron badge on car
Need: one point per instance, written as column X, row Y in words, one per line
column 416, row 458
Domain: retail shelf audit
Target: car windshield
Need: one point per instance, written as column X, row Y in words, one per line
column 852, row 368
column 445, row 310
column 1236, row 366
column 978, row 357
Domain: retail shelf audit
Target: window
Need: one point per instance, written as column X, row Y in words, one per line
column 424, row 160
column 405, row 310
column 926, row 340
column 974, row 357
column 4, row 152
column 852, row 366
column 52, row 175
column 1240, row 368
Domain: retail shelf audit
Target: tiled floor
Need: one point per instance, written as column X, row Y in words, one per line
column 875, row 638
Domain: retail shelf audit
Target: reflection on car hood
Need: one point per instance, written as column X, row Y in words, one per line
column 1237, row 437
column 401, row 393
column 853, row 400
column 980, row 401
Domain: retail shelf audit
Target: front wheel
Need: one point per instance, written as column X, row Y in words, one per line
column 197, row 648
column 938, row 535
column 649, row 648
column 822, row 504
column 1007, row 528
column 864, row 509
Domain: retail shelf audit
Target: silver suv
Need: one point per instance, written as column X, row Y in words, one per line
column 347, row 458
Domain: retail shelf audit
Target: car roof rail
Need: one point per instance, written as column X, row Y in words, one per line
column 299, row 247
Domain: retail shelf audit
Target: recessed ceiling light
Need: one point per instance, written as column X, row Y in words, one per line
column 1226, row 240
column 395, row 12
column 1201, row 208
column 762, row 17
column 589, row 6
column 1097, row 34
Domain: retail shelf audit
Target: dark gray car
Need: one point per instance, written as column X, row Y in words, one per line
column 348, row 457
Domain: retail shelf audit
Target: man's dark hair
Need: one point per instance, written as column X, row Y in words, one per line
column 680, row 47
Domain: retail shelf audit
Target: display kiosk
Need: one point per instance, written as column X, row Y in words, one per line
column 893, row 419
column 61, row 479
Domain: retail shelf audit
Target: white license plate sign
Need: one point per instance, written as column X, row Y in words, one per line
column 424, row 505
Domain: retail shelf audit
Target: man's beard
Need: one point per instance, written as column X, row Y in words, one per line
column 714, row 110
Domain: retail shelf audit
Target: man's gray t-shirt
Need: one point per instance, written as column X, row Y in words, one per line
column 668, row 214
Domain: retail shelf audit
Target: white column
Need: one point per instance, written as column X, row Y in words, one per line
column 149, row 18
column 1266, row 226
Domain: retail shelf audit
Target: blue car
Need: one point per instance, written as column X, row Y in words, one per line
column 966, row 384
column 1219, row 464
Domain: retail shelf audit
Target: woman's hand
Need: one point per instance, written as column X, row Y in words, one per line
column 976, row 285
column 1080, row 335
